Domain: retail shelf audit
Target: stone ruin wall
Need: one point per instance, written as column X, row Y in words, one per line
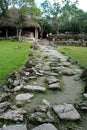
column 69, row 39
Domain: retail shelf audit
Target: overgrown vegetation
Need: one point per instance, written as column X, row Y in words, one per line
column 63, row 17
column 77, row 53
column 13, row 55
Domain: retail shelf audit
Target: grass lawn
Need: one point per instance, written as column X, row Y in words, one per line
column 77, row 53
column 12, row 57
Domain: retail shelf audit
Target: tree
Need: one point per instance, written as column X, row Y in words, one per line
column 59, row 15
column 3, row 7
column 25, row 8
column 80, row 18
column 55, row 14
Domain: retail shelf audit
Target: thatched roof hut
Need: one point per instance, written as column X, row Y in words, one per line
column 11, row 21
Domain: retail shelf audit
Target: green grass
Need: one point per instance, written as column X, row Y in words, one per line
column 13, row 55
column 77, row 53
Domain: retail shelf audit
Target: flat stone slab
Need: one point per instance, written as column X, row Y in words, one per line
column 67, row 112
column 51, row 74
column 41, row 117
column 18, row 88
column 14, row 127
column 13, row 115
column 69, row 73
column 41, row 108
column 24, row 97
column 66, row 64
column 46, row 102
column 4, row 106
column 82, row 106
column 45, row 127
column 85, row 95
column 34, row 88
column 54, row 86
column 4, row 97
column 51, row 79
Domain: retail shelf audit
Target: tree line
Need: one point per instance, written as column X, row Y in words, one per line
column 64, row 17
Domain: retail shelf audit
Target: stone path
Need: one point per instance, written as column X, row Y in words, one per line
column 46, row 84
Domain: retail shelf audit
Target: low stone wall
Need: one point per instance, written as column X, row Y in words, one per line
column 70, row 43
column 69, row 39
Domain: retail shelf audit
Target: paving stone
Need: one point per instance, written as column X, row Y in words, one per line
column 85, row 95
column 4, row 106
column 24, row 96
column 69, row 72
column 45, row 127
column 18, row 88
column 66, row 112
column 41, row 108
column 51, row 79
column 82, row 106
column 84, row 75
column 34, row 88
column 54, row 86
column 13, row 115
column 4, row 97
column 66, row 64
column 41, row 117
column 14, row 127
column 46, row 102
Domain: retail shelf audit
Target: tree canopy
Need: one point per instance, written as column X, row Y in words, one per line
column 61, row 17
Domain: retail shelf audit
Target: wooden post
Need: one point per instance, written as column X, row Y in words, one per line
column 36, row 33
column 20, row 32
column 6, row 33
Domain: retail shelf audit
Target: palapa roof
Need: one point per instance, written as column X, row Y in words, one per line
column 13, row 16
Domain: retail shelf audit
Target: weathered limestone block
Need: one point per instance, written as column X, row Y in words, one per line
column 18, row 88
column 52, row 79
column 4, row 106
column 84, row 75
column 14, row 127
column 41, row 108
column 4, row 97
column 24, row 97
column 46, row 102
column 66, row 64
column 34, row 88
column 13, row 115
column 41, row 117
column 54, row 86
column 85, row 95
column 66, row 112
column 45, row 127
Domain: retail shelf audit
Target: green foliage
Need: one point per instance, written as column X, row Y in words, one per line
column 77, row 53
column 23, row 8
column 63, row 17
column 3, row 7
column 12, row 57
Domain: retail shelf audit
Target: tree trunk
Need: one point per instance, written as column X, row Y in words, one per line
column 17, row 33
column 6, row 33
column 20, row 32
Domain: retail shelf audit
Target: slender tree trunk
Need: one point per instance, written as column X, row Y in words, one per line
column 20, row 32
column 6, row 33
column 17, row 33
